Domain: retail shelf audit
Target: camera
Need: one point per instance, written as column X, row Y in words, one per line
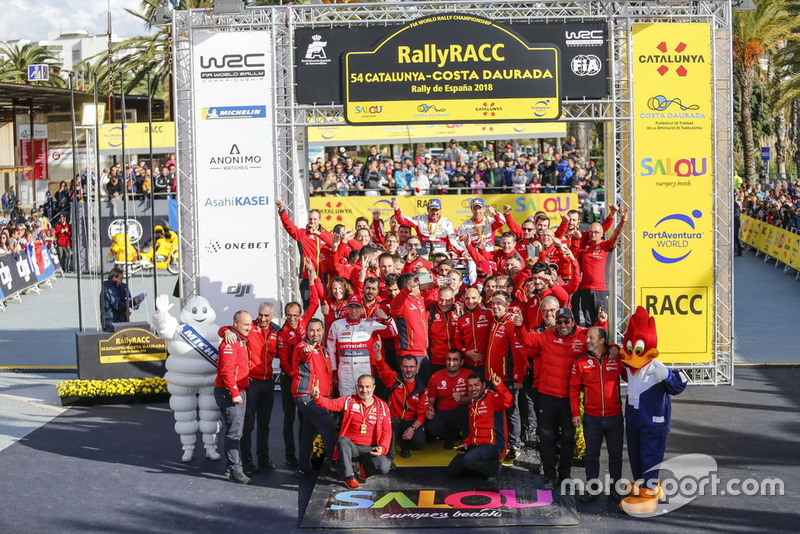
column 425, row 280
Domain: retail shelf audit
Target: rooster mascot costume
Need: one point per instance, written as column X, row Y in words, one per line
column 647, row 413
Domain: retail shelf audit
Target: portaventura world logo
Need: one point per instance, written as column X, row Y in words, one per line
column 673, row 238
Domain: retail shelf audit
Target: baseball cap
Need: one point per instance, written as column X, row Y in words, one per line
column 435, row 204
column 48, row 194
column 419, row 159
column 565, row 312
column 342, row 150
column 509, row 146
column 428, row 156
column 477, row 202
column 354, row 301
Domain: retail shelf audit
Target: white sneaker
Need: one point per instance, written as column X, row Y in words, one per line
column 212, row 454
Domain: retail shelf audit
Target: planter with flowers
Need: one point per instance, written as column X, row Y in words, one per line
column 112, row 391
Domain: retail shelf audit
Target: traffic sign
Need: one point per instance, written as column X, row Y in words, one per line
column 38, row 73
column 765, row 153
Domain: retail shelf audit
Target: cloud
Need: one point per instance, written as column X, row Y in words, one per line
column 34, row 19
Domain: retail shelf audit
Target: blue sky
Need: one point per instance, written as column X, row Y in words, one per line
column 33, row 19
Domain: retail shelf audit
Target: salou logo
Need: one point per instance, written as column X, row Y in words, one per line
column 232, row 67
column 234, row 160
column 370, row 110
column 586, row 65
column 683, row 167
column 667, row 59
column 673, row 237
column 315, row 53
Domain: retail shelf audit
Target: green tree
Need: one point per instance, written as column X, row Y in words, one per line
column 755, row 33
column 15, row 68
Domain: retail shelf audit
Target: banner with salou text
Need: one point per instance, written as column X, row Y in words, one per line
column 234, row 170
column 673, row 222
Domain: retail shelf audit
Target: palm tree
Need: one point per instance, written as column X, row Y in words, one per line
column 754, row 34
column 15, row 68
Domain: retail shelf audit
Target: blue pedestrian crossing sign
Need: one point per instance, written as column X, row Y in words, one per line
column 38, row 73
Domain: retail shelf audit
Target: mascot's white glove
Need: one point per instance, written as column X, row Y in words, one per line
column 163, row 306
column 658, row 371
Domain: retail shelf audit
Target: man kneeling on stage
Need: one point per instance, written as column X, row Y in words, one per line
column 366, row 432
column 487, row 440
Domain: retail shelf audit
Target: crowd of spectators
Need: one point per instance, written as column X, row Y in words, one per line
column 774, row 201
column 139, row 180
column 48, row 227
column 455, row 172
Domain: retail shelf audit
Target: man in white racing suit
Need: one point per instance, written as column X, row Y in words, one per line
column 351, row 344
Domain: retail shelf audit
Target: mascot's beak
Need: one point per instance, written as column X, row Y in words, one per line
column 637, row 361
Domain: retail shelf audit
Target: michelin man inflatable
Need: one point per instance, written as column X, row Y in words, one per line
column 191, row 370
column 647, row 412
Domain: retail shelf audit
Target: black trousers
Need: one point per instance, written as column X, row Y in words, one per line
column 555, row 423
column 482, row 459
column 399, row 426
column 257, row 415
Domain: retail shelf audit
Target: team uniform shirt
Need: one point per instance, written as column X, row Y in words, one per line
column 441, row 387
column 498, row 347
column 557, row 354
column 598, row 379
column 522, row 241
column 233, row 366
column 311, row 368
column 263, row 345
column 311, row 243
column 408, row 401
column 472, row 331
column 593, row 264
column 288, row 337
column 442, row 329
column 412, row 324
column 413, row 266
column 350, row 346
column 363, row 425
column 487, row 419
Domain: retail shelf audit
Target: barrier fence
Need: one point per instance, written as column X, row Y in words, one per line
column 775, row 243
column 25, row 271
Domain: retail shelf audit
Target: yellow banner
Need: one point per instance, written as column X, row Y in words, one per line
column 674, row 185
column 345, row 210
column 334, row 135
column 137, row 137
column 780, row 244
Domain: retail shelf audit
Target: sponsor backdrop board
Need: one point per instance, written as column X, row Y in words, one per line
column 775, row 242
column 673, row 224
column 345, row 210
column 452, row 68
column 137, row 138
column 234, row 170
column 583, row 58
column 430, row 133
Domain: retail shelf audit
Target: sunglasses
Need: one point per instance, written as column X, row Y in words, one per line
column 563, row 321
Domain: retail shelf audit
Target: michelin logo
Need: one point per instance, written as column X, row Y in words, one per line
column 234, row 112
